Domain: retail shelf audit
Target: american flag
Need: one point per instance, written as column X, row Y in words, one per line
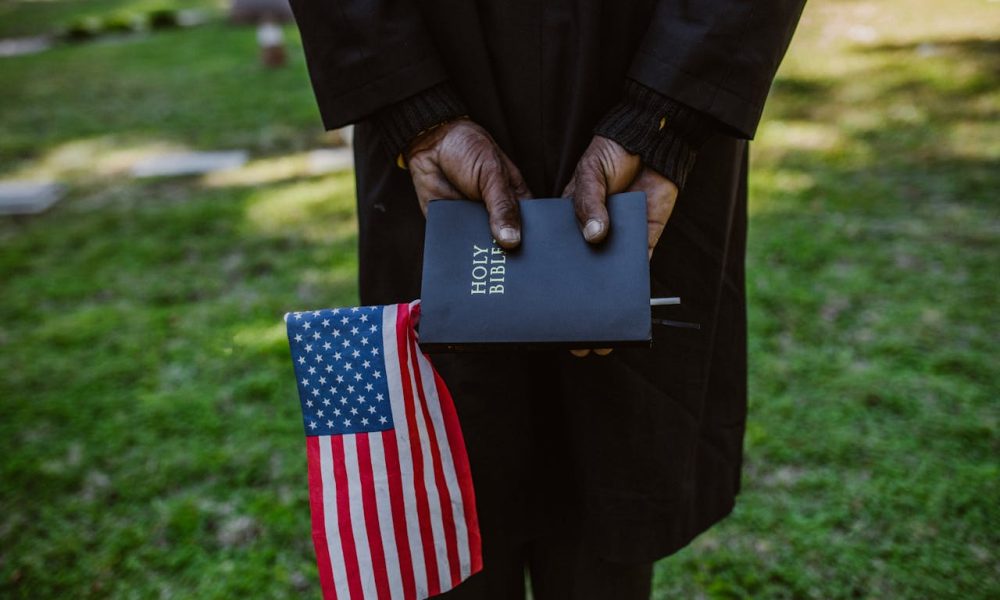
column 393, row 511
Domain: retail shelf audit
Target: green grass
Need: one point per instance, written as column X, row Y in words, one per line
column 45, row 17
column 149, row 429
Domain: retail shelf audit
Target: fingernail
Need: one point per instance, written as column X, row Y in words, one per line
column 593, row 229
column 510, row 235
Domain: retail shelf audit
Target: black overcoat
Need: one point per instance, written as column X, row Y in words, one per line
column 641, row 449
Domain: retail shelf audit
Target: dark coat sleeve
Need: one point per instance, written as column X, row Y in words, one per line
column 364, row 54
column 717, row 56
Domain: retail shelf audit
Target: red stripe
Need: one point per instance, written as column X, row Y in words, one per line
column 319, row 519
column 372, row 526
column 344, row 517
column 423, row 512
column 447, row 516
column 398, row 513
column 464, row 474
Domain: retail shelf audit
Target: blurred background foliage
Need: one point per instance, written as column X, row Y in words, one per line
column 149, row 430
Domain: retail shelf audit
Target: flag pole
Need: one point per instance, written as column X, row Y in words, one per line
column 664, row 301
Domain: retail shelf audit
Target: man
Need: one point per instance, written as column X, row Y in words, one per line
column 586, row 468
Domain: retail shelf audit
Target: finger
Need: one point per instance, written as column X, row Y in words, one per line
column 431, row 185
column 589, row 198
column 579, row 353
column 516, row 181
column 497, row 195
column 602, row 351
column 570, row 188
column 661, row 196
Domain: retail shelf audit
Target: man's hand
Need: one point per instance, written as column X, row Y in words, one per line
column 459, row 159
column 607, row 168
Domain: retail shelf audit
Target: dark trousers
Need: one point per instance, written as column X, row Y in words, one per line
column 558, row 568
column 527, row 487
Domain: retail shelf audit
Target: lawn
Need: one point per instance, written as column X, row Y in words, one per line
column 149, row 429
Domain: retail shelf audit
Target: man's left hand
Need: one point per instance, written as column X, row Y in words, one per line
column 607, row 168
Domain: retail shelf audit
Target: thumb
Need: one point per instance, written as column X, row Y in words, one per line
column 589, row 200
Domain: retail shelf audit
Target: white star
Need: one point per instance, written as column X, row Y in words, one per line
column 364, row 421
column 315, row 313
column 368, row 387
column 366, row 364
column 326, row 402
column 309, row 403
column 312, row 424
column 344, row 321
column 336, row 412
column 297, row 316
column 343, row 399
column 364, row 341
column 346, row 343
column 326, row 322
column 309, row 348
column 329, row 368
column 354, row 410
column 305, row 382
column 371, row 409
column 373, row 328
column 336, row 311
column 379, row 397
column 357, row 377
column 322, row 380
column 315, row 392
column 347, row 422
column 319, row 414
column 318, row 358
column 306, row 325
column 316, row 336
column 361, row 399
column 329, row 424
column 336, row 333
column 382, row 419
column 377, row 375
column 336, row 355
column 356, row 353
column 354, row 309
column 333, row 390
column 348, row 366
column 302, row 360
column 350, row 389
column 312, row 370
column 354, row 331
column 375, row 351
column 364, row 318
column 298, row 337
column 327, row 345
column 340, row 379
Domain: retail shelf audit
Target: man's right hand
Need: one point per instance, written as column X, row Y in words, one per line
column 459, row 159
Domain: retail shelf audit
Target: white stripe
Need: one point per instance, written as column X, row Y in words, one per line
column 399, row 425
column 433, row 500
column 330, row 521
column 358, row 517
column 384, row 505
column 450, row 477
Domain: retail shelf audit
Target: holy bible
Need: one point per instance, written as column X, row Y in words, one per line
column 554, row 291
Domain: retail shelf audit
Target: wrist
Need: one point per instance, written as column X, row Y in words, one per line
column 400, row 123
column 665, row 133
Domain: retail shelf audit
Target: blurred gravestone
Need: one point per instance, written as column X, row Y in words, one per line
column 189, row 163
column 255, row 11
column 21, row 197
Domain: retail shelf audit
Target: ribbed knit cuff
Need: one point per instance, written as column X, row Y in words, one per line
column 398, row 124
column 664, row 132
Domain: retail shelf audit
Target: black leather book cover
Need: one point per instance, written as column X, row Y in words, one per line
column 555, row 291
